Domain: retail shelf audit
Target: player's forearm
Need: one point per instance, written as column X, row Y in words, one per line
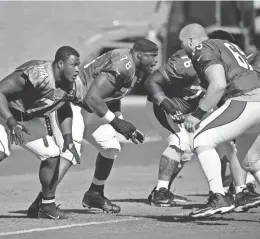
column 97, row 104
column 4, row 109
column 212, row 97
column 155, row 91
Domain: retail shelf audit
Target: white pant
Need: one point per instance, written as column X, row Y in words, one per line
column 41, row 144
column 101, row 135
column 182, row 139
column 234, row 120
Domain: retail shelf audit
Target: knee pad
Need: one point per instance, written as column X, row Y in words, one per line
column 111, row 153
column 173, row 153
column 69, row 156
column 180, row 141
column 251, row 163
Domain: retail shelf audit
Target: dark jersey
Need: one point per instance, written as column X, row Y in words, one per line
column 41, row 96
column 182, row 81
column 240, row 76
column 254, row 61
column 118, row 67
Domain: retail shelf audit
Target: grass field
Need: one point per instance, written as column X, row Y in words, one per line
column 34, row 30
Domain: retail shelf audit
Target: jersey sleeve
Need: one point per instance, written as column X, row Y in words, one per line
column 179, row 66
column 35, row 73
column 206, row 54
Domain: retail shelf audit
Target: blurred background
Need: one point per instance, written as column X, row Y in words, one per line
column 34, row 30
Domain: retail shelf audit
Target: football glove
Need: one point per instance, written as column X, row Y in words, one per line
column 178, row 117
column 16, row 131
column 127, row 129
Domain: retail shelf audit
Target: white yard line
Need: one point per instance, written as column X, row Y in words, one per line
column 66, row 226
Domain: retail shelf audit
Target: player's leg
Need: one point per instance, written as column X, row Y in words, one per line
column 104, row 138
column 243, row 193
column 66, row 159
column 249, row 153
column 225, row 124
column 48, row 152
column 170, row 160
column 4, row 144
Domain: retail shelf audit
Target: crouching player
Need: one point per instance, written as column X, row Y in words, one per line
column 29, row 98
column 109, row 78
column 175, row 90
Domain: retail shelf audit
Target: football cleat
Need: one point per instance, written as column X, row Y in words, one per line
column 247, row 199
column 217, row 203
column 50, row 211
column 94, row 199
column 161, row 198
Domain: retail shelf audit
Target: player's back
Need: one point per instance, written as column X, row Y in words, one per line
column 118, row 64
column 239, row 73
column 183, row 81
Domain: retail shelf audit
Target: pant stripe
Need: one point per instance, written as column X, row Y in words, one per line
column 230, row 114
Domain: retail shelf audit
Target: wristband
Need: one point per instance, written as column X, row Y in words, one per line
column 109, row 116
column 199, row 113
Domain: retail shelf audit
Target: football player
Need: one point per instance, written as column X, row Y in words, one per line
column 29, row 98
column 109, row 78
column 224, row 71
column 175, row 88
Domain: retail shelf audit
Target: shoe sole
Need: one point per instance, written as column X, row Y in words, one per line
column 44, row 215
column 247, row 206
column 85, row 205
column 222, row 210
column 162, row 204
column 182, row 201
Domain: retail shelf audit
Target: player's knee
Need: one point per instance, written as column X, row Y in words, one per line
column 251, row 163
column 111, row 152
column 173, row 153
column 2, row 156
column 69, row 156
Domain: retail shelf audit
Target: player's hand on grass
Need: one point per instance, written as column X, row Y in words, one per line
column 127, row 129
column 17, row 131
column 69, row 145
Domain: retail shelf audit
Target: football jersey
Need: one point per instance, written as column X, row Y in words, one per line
column 40, row 96
column 254, row 61
column 240, row 76
column 182, row 81
column 118, row 67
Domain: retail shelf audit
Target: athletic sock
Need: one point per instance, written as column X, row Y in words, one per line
column 211, row 166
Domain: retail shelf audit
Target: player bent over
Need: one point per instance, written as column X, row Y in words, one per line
column 177, row 87
column 225, row 73
column 109, row 78
column 29, row 96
